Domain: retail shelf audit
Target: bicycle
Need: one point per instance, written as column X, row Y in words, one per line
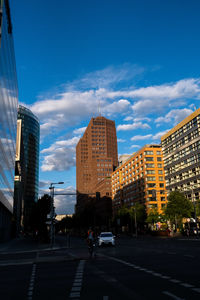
column 91, row 247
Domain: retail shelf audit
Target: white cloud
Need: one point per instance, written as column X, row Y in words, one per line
column 158, row 135
column 61, row 159
column 79, row 131
column 64, row 204
column 175, row 116
column 141, row 137
column 80, row 99
column 135, row 146
column 108, row 76
column 185, row 88
column 65, row 143
column 138, row 125
column 121, row 140
column 117, row 107
column 147, row 137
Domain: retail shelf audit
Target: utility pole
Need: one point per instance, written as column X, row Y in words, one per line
column 52, row 213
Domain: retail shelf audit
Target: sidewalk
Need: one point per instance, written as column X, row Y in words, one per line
column 22, row 244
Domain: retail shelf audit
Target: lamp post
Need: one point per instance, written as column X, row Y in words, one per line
column 52, row 212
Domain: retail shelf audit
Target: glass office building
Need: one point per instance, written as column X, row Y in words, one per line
column 8, row 119
column 30, row 141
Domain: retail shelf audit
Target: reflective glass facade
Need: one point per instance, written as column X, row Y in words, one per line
column 8, row 113
column 30, row 133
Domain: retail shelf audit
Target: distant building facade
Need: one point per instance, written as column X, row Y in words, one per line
column 96, row 157
column 181, row 153
column 123, row 158
column 8, row 119
column 27, row 158
column 140, row 180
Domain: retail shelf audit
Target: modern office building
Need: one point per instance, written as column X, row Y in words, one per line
column 8, row 119
column 140, row 180
column 181, row 154
column 96, row 157
column 27, row 160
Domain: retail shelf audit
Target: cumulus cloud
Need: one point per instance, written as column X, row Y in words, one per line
column 61, row 155
column 79, row 100
column 141, row 137
column 135, row 146
column 136, row 125
column 147, row 137
column 79, row 131
column 43, row 184
column 175, row 116
column 65, row 143
column 121, row 140
column 64, row 204
column 61, row 159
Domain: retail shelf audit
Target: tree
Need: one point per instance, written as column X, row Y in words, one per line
column 178, row 207
column 39, row 216
column 153, row 216
column 138, row 216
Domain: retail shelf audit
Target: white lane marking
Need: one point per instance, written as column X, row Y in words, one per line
column 186, row 285
column 166, row 277
column 157, row 274
column 175, row 280
column 188, row 255
column 31, row 283
column 172, row 295
column 196, row 290
column 74, row 295
column 77, row 284
column 76, row 289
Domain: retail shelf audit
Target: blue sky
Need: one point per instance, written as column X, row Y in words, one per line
column 139, row 59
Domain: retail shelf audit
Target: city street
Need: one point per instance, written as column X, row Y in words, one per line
column 146, row 268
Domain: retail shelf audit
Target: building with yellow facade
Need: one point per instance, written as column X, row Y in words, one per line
column 140, row 179
column 181, row 154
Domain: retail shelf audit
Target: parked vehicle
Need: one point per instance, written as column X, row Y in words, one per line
column 106, row 238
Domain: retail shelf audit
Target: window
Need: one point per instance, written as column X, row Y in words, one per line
column 159, row 159
column 148, row 152
column 151, row 178
column 159, row 165
column 151, row 185
column 150, row 166
column 150, row 172
column 161, row 178
column 160, row 172
column 158, row 152
column 150, row 158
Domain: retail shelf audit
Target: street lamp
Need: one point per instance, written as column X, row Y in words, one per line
column 52, row 211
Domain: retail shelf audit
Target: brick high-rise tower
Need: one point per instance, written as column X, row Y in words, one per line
column 96, row 156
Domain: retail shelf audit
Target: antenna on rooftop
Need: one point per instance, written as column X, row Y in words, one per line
column 99, row 107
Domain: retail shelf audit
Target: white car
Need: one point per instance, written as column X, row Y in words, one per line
column 106, row 238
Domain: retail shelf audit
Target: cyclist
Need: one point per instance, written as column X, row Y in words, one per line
column 90, row 241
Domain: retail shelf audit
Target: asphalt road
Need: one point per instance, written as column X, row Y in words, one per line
column 146, row 268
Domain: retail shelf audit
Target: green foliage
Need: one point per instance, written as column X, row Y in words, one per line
column 153, row 216
column 140, row 211
column 39, row 216
column 178, row 207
